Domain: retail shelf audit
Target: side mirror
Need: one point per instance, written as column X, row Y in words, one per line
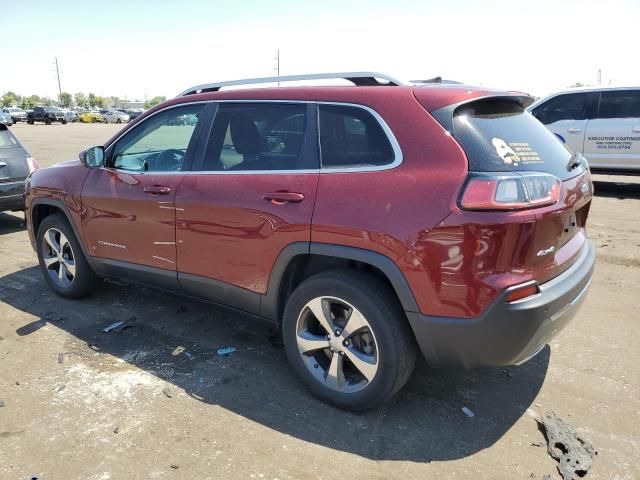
column 92, row 157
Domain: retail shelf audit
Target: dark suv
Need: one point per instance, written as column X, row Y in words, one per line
column 367, row 221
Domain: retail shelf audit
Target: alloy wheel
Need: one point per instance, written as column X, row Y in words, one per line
column 58, row 257
column 337, row 344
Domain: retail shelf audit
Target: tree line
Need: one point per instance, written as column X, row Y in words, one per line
column 67, row 100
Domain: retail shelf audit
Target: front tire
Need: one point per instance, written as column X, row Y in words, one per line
column 62, row 262
column 348, row 339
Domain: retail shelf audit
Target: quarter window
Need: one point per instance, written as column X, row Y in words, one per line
column 352, row 137
column 258, row 136
column 160, row 143
column 562, row 107
column 622, row 104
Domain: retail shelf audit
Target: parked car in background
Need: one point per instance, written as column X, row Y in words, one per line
column 115, row 116
column 602, row 124
column 91, row 117
column 5, row 119
column 367, row 222
column 17, row 114
column 15, row 165
column 47, row 115
column 133, row 114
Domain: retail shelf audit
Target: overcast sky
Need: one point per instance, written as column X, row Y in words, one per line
column 157, row 47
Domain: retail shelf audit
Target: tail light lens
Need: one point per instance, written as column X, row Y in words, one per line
column 510, row 191
column 521, row 292
column 33, row 165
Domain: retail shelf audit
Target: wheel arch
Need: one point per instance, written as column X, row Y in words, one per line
column 299, row 261
column 41, row 208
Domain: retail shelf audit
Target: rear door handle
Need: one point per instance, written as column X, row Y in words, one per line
column 157, row 190
column 283, row 197
column 574, row 130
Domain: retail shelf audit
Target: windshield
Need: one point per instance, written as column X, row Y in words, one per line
column 52, row 109
column 499, row 136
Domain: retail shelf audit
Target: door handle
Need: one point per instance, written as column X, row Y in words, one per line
column 157, row 190
column 283, row 197
column 636, row 129
column 574, row 130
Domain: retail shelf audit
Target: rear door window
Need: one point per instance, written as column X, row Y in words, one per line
column 352, row 137
column 499, row 136
column 563, row 107
column 7, row 140
column 264, row 136
column 621, row 104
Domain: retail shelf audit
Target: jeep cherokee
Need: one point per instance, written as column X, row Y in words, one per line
column 369, row 222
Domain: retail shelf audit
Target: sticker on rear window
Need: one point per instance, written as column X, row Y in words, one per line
column 515, row 153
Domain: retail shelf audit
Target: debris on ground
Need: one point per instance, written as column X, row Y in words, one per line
column 175, row 467
column 1, row 403
column 189, row 356
column 573, row 453
column 167, row 392
column 468, row 412
column 177, row 351
column 226, row 351
column 116, row 327
column 116, row 430
column 61, row 358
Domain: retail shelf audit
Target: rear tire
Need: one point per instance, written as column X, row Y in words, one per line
column 62, row 262
column 119, row 120
column 29, row 122
column 47, row 121
column 369, row 354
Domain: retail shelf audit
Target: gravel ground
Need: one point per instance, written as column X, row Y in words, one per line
column 156, row 401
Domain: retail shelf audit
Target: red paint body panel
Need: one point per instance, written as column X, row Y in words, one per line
column 227, row 231
column 123, row 222
column 63, row 183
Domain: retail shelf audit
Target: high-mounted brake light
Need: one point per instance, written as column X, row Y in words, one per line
column 510, row 191
column 32, row 164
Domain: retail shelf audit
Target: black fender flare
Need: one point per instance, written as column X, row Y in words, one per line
column 65, row 210
column 269, row 303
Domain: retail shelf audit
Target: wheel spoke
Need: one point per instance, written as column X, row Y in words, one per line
column 63, row 242
column 335, row 375
column 354, row 323
column 62, row 272
column 70, row 265
column 50, row 238
column 367, row 365
column 48, row 261
column 320, row 309
column 309, row 343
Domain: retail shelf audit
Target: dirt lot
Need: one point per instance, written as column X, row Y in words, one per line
column 156, row 401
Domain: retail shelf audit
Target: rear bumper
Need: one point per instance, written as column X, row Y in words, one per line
column 12, row 195
column 506, row 333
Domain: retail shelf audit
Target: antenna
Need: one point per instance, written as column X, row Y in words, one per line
column 58, row 75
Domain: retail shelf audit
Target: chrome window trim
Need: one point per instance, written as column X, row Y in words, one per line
column 397, row 151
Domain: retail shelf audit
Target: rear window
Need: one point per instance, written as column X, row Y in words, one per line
column 498, row 136
column 7, row 140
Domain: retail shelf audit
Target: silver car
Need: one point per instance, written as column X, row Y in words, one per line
column 114, row 116
column 5, row 119
column 18, row 114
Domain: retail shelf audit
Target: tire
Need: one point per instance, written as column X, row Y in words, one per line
column 83, row 280
column 29, row 122
column 384, row 346
column 47, row 121
column 64, row 122
column 119, row 120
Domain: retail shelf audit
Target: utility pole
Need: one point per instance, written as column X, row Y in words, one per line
column 599, row 76
column 277, row 68
column 58, row 74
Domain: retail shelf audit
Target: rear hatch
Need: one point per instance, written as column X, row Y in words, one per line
column 516, row 166
column 13, row 158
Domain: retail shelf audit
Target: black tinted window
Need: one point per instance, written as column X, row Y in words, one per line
column 351, row 136
column 623, row 104
column 260, row 136
column 498, row 136
column 562, row 107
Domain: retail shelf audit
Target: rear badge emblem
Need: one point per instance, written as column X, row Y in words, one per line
column 545, row 252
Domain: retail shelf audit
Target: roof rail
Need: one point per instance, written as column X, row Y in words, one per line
column 357, row 78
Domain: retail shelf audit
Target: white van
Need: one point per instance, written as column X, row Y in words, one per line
column 603, row 124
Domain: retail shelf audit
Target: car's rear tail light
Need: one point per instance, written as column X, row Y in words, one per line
column 510, row 191
column 522, row 292
column 33, row 164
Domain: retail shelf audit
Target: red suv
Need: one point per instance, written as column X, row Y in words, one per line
column 367, row 221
